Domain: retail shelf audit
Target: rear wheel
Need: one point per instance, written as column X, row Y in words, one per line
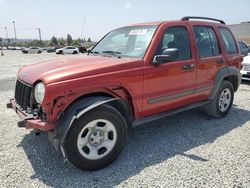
column 75, row 52
column 223, row 101
column 96, row 139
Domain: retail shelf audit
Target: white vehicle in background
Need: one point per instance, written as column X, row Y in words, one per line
column 67, row 50
column 246, row 68
column 32, row 50
column 246, row 60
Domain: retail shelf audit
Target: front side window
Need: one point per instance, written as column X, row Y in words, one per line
column 229, row 41
column 126, row 42
column 176, row 37
column 206, row 41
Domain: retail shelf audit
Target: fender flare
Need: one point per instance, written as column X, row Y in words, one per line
column 221, row 75
column 82, row 106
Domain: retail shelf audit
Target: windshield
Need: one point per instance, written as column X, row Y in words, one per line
column 126, row 42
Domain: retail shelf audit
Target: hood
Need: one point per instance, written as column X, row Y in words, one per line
column 75, row 67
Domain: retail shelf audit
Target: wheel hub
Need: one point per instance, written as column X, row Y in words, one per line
column 96, row 137
column 224, row 101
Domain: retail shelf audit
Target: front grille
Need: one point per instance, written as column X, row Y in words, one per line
column 23, row 94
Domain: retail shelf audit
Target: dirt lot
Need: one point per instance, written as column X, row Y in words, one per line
column 186, row 150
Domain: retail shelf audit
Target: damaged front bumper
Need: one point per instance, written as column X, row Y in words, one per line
column 28, row 120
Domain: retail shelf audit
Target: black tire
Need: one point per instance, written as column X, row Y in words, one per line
column 60, row 52
column 213, row 109
column 71, row 151
column 75, row 52
column 39, row 52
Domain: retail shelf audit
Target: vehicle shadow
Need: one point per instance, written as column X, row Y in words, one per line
column 146, row 146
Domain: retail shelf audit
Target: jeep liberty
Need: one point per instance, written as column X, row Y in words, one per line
column 134, row 75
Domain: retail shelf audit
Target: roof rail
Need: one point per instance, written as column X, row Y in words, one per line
column 202, row 18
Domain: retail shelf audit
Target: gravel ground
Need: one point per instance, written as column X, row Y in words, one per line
column 185, row 150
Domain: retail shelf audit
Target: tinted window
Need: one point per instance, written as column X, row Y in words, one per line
column 229, row 41
column 176, row 37
column 206, row 41
column 214, row 41
column 243, row 46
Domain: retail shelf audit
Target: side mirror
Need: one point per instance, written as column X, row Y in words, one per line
column 89, row 50
column 244, row 51
column 168, row 55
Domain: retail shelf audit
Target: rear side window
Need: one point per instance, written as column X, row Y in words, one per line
column 229, row 41
column 206, row 41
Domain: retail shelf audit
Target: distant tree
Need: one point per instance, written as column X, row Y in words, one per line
column 61, row 41
column 36, row 43
column 69, row 39
column 76, row 42
column 89, row 40
column 54, row 41
column 84, row 40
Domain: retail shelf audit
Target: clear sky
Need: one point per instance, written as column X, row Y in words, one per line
column 60, row 17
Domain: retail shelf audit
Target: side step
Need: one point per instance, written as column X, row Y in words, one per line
column 166, row 114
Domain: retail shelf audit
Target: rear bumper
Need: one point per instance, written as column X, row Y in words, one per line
column 28, row 120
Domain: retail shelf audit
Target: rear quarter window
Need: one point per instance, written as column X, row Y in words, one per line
column 229, row 41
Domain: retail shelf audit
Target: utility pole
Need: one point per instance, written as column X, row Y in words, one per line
column 7, row 37
column 40, row 36
column 83, row 25
column 1, row 40
column 14, row 30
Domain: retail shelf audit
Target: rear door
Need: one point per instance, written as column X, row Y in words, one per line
column 171, row 84
column 210, row 58
column 233, row 56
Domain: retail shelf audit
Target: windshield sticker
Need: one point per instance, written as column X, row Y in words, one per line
column 138, row 32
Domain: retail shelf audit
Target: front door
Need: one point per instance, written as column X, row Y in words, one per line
column 171, row 84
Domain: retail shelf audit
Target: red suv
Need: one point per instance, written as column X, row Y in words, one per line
column 134, row 75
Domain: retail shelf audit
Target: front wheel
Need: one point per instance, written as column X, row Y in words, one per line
column 222, row 103
column 96, row 139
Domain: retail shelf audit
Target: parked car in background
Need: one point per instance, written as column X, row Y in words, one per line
column 11, row 48
column 82, row 49
column 32, row 50
column 244, row 49
column 245, row 71
column 18, row 48
column 51, row 49
column 246, row 68
column 68, row 50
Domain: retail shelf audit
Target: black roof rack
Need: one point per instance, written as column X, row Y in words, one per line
column 202, row 18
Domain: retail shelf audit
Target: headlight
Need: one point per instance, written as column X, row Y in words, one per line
column 39, row 92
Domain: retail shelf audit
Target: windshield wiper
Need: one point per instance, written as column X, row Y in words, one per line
column 94, row 52
column 116, row 54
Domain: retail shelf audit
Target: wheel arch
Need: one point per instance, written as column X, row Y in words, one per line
column 89, row 102
column 231, row 74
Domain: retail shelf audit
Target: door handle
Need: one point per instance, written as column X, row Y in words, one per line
column 188, row 67
column 220, row 61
